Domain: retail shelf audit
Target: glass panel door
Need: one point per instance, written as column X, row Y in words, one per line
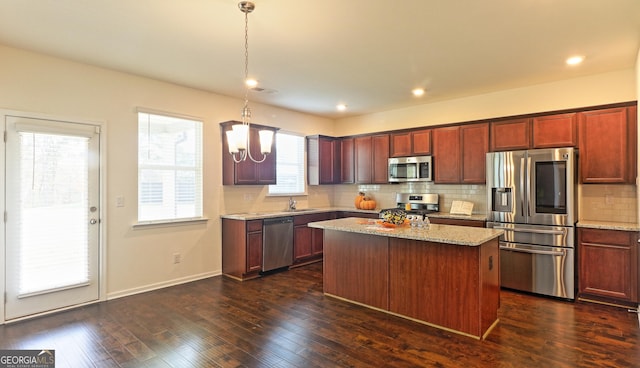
column 52, row 221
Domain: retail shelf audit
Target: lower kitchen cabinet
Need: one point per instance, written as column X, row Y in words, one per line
column 344, row 214
column 241, row 248
column 608, row 266
column 307, row 242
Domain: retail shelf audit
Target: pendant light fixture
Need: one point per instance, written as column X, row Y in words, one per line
column 238, row 138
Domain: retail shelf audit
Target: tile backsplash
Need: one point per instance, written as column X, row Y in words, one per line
column 608, row 202
column 595, row 202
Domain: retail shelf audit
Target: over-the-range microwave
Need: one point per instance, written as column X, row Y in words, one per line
column 403, row 169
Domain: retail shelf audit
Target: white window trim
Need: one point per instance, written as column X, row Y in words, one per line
column 306, row 184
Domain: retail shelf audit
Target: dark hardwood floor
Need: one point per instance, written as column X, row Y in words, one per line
column 284, row 320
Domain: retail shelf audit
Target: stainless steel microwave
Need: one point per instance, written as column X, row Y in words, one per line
column 402, row 169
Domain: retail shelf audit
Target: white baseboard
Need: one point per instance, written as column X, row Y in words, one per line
column 161, row 285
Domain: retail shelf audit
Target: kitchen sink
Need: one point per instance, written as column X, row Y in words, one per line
column 302, row 210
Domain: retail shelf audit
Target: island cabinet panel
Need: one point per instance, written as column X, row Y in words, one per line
column 608, row 145
column 347, row 163
column 241, row 248
column 422, row 287
column 359, row 268
column 560, row 130
column 510, row 135
column 608, row 265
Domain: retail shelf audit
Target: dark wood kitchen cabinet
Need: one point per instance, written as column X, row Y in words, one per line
column 459, row 153
column 371, row 159
column 241, row 248
column 608, row 265
column 608, row 145
column 410, row 143
column 457, row 222
column 347, row 161
column 510, row 135
column 550, row 131
column 307, row 241
column 248, row 172
column 323, row 160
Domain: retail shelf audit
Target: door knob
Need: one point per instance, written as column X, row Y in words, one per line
column 93, row 221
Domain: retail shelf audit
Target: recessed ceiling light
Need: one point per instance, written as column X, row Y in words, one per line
column 575, row 60
column 418, row 92
column 341, row 107
column 251, row 83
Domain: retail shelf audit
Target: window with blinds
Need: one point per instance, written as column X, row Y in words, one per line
column 169, row 168
column 290, row 165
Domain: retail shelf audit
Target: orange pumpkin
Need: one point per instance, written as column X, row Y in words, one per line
column 359, row 199
column 368, row 204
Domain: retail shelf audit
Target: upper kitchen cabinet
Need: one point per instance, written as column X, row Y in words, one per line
column 608, row 145
column 248, row 172
column 549, row 131
column 552, row 131
column 323, row 160
column 410, row 143
column 511, row 135
column 371, row 159
column 347, row 160
column 459, row 153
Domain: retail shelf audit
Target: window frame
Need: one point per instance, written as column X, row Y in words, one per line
column 303, row 179
column 197, row 169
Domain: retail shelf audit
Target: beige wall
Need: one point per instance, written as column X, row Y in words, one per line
column 139, row 259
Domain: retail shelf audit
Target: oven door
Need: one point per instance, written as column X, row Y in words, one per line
column 537, row 269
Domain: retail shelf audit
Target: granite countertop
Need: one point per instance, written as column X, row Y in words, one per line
column 458, row 235
column 608, row 225
column 305, row 211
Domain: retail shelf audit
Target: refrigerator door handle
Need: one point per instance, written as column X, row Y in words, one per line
column 536, row 231
column 533, row 251
column 529, row 179
column 522, row 186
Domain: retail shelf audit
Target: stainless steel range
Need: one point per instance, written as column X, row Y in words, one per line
column 531, row 196
column 418, row 203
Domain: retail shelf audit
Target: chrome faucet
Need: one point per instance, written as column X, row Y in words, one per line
column 292, row 204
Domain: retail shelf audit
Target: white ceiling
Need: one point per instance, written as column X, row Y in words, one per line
column 311, row 55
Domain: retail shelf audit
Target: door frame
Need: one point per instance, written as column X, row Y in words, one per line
column 102, row 239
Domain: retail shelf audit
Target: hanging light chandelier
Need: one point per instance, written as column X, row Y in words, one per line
column 239, row 137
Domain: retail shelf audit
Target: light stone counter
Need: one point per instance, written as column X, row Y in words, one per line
column 608, row 225
column 458, row 235
column 245, row 216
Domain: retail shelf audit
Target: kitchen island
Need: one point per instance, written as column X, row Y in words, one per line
column 444, row 276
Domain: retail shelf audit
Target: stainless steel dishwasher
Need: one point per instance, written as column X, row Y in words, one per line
column 277, row 243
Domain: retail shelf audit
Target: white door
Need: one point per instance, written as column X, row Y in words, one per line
column 52, row 219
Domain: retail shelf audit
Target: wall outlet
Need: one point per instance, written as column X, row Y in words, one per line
column 120, row 201
column 177, row 258
column 248, row 197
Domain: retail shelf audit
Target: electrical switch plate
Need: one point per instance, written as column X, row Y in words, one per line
column 120, row 201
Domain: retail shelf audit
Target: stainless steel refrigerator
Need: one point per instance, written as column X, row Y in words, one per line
column 531, row 195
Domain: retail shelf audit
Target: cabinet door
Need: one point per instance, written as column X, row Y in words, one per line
column 363, row 156
column 248, row 172
column 555, row 131
column 302, row 236
column 380, row 159
column 421, row 140
column 329, row 161
column 475, row 145
column 446, row 155
column 254, row 251
column 510, row 135
column 608, row 264
column 400, row 145
column 607, row 137
column 347, row 161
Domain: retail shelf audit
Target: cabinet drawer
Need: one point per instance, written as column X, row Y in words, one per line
column 613, row 237
column 254, row 225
